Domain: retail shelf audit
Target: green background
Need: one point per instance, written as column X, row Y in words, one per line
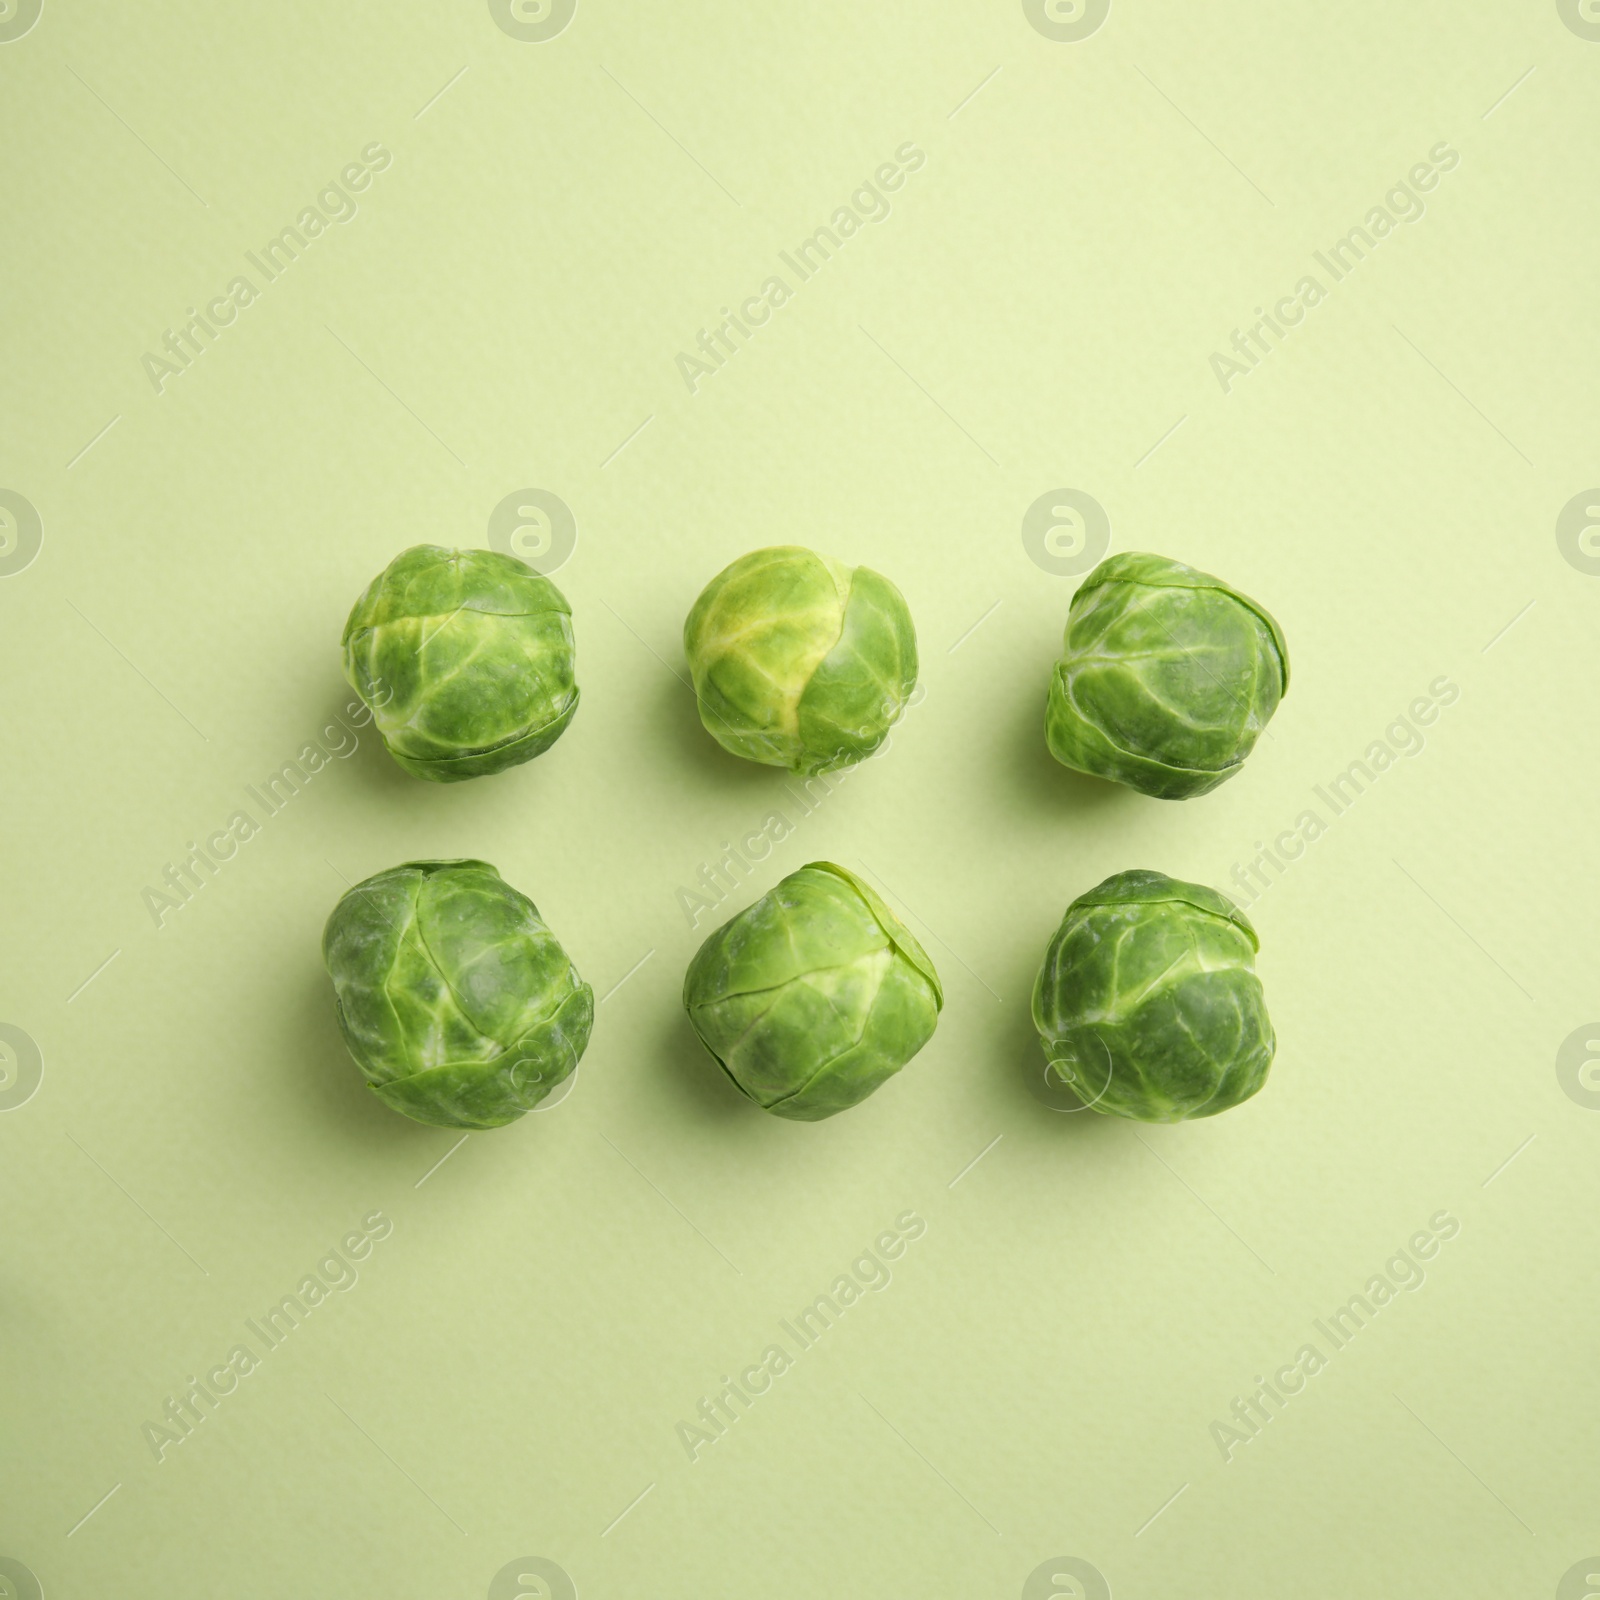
column 1092, row 221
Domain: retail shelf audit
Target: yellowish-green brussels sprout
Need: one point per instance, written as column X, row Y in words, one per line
column 1148, row 1004
column 813, row 996
column 465, row 659
column 456, row 1001
column 1167, row 679
column 799, row 661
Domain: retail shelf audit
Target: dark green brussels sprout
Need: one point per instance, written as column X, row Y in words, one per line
column 799, row 661
column 1167, row 679
column 457, row 1002
column 813, row 996
column 464, row 658
column 1148, row 1005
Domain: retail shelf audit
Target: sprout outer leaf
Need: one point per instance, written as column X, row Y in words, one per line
column 454, row 998
column 465, row 659
column 799, row 661
column 1147, row 1003
column 813, row 996
column 1167, row 677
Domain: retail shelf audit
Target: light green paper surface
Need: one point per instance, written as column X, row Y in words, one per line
column 1068, row 1303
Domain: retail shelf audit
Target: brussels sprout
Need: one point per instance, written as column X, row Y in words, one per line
column 799, row 661
column 1167, row 680
column 464, row 658
column 1148, row 1005
column 457, row 1002
column 813, row 996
